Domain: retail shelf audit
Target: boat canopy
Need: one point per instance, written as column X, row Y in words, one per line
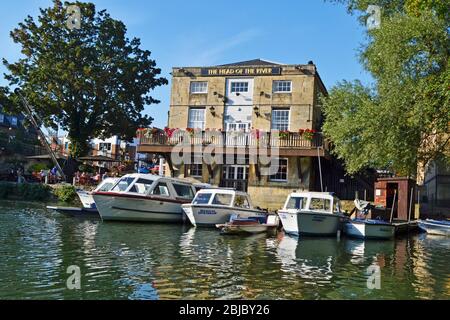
column 322, row 202
column 149, row 184
column 223, row 197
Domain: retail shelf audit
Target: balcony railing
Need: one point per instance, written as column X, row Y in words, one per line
column 234, row 139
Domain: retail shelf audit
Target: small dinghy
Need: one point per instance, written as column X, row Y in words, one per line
column 251, row 225
column 437, row 227
column 369, row 229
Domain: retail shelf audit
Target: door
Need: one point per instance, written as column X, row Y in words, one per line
column 235, row 177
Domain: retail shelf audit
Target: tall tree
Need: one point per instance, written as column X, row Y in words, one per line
column 80, row 71
column 402, row 120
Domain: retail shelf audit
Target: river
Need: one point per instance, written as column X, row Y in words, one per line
column 160, row 261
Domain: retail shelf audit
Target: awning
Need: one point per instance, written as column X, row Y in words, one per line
column 98, row 158
column 47, row 157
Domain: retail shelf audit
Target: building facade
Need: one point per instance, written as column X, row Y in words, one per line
column 236, row 100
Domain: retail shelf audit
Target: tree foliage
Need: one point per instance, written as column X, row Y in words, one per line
column 403, row 119
column 92, row 81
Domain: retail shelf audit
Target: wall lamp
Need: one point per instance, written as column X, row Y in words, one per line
column 256, row 109
column 213, row 111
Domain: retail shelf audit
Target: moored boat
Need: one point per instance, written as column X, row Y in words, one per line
column 215, row 206
column 250, row 225
column 369, row 229
column 311, row 213
column 86, row 196
column 145, row 198
column 436, row 227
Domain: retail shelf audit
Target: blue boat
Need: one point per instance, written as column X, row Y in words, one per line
column 438, row 227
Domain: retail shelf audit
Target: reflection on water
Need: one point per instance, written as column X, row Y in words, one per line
column 151, row 261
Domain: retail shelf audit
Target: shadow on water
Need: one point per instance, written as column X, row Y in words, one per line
column 161, row 261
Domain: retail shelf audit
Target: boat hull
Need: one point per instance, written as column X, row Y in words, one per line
column 364, row 230
column 435, row 228
column 210, row 216
column 86, row 199
column 310, row 223
column 89, row 213
column 140, row 209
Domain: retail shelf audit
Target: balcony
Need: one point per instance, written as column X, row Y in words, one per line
column 239, row 142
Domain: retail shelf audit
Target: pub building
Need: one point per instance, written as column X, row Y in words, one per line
column 263, row 95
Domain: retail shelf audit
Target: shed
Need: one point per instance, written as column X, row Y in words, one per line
column 401, row 187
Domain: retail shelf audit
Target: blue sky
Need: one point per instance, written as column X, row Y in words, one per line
column 203, row 33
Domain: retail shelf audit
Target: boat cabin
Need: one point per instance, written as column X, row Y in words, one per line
column 148, row 184
column 223, row 197
column 322, row 202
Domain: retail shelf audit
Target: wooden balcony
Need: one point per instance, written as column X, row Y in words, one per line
column 289, row 144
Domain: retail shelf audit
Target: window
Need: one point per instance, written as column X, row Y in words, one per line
column 104, row 146
column 196, row 170
column 202, row 198
column 239, row 87
column 282, row 86
column 2, row 118
column 196, row 118
column 161, row 189
column 142, row 186
column 241, row 201
column 66, row 146
column 184, row 191
column 320, row 204
column 222, row 199
column 199, row 87
column 280, row 119
column 123, row 184
column 106, row 186
column 13, row 121
column 281, row 174
column 298, row 203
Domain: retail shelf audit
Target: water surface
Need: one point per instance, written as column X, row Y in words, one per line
column 160, row 261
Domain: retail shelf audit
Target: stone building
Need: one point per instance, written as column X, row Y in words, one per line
column 238, row 99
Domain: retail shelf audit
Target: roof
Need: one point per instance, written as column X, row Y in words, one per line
column 156, row 177
column 222, row 190
column 325, row 195
column 254, row 62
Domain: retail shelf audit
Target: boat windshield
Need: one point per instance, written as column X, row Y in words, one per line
column 298, row 203
column 105, row 186
column 222, row 199
column 320, row 204
column 141, row 186
column 123, row 184
column 202, row 198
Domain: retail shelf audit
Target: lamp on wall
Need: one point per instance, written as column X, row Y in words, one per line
column 256, row 109
column 213, row 111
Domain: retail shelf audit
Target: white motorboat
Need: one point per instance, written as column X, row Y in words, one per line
column 436, row 227
column 215, row 206
column 311, row 213
column 145, row 198
column 86, row 196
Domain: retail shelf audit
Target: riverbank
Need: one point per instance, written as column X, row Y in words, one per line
column 64, row 193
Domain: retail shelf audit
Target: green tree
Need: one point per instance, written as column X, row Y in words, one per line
column 402, row 120
column 92, row 81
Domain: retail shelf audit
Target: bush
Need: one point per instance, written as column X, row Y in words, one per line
column 37, row 167
column 33, row 192
column 25, row 191
column 66, row 193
